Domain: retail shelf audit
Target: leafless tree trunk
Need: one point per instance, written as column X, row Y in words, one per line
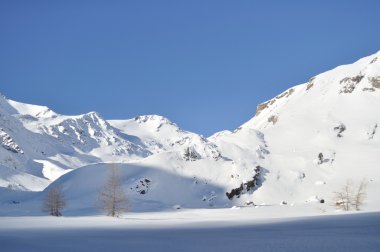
column 112, row 198
column 343, row 198
column 349, row 197
column 360, row 195
column 54, row 201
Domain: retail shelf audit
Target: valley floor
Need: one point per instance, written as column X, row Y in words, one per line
column 193, row 230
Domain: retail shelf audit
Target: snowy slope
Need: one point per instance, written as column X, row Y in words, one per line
column 321, row 134
column 18, row 180
column 166, row 180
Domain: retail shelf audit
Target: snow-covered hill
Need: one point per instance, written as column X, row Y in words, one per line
column 299, row 147
column 322, row 133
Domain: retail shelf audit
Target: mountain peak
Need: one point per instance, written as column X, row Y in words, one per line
column 152, row 118
column 327, row 91
column 31, row 110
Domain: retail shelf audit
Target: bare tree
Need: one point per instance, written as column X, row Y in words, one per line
column 112, row 198
column 348, row 198
column 54, row 201
column 360, row 195
column 343, row 197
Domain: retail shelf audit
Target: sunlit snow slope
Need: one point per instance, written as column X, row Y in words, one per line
column 321, row 134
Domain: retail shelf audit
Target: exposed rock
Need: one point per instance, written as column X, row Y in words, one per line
column 235, row 192
column 273, row 119
column 190, row 154
column 373, row 61
column 291, row 91
column 310, row 83
column 261, row 107
column 372, row 133
column 8, row 143
column 339, row 129
column 375, row 81
column 266, row 104
column 248, row 186
column 350, row 83
column 142, row 186
column 287, row 93
column 322, row 159
column 368, row 89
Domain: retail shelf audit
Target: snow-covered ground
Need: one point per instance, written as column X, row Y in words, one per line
column 236, row 229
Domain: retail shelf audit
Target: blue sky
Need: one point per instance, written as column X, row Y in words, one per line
column 203, row 64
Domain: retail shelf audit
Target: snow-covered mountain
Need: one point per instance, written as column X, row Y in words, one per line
column 299, row 147
column 158, row 134
column 42, row 143
column 323, row 133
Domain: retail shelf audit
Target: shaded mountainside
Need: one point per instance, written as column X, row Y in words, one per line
column 299, row 147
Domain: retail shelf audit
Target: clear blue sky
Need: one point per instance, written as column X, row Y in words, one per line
column 203, row 64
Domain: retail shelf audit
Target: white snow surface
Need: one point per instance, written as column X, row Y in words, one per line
column 299, row 148
column 193, row 230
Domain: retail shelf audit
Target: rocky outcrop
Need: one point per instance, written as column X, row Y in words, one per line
column 340, row 129
column 8, row 143
column 265, row 105
column 141, row 186
column 190, row 154
column 248, row 186
column 310, row 83
column 273, row 119
column 375, row 81
column 349, row 83
column 372, row 132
